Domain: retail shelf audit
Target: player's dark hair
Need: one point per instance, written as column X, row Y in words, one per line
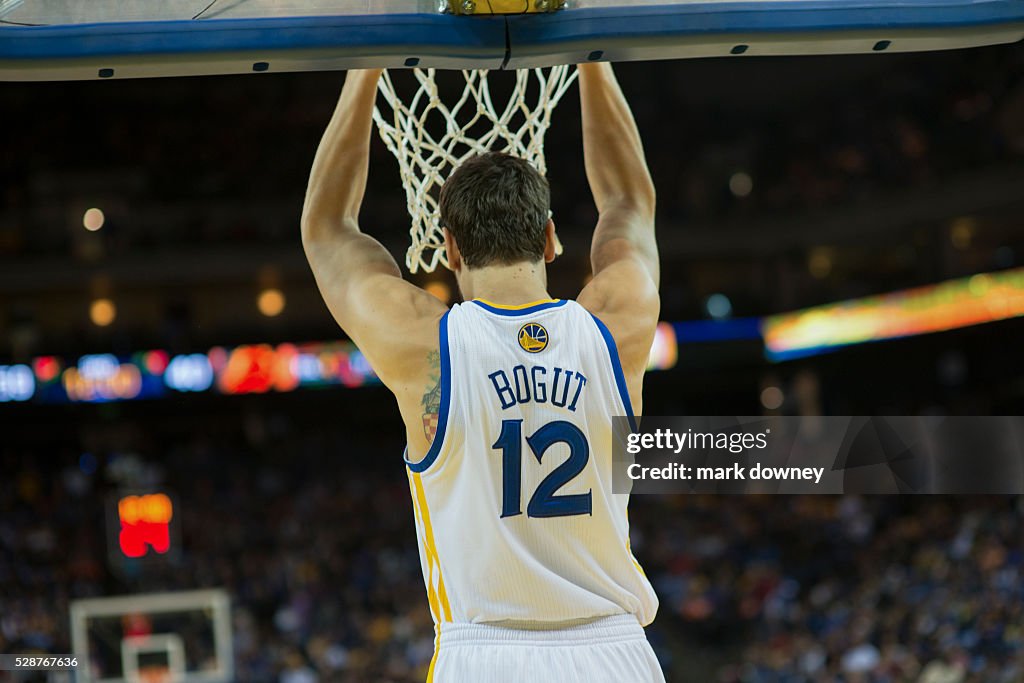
column 496, row 207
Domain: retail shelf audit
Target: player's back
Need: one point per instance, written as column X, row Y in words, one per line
column 515, row 514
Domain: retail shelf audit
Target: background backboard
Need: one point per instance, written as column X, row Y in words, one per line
column 182, row 637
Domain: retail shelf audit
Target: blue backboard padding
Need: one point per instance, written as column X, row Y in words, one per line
column 419, row 33
column 634, row 23
column 424, row 34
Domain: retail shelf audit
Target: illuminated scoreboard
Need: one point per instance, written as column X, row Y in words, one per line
column 142, row 527
column 247, row 369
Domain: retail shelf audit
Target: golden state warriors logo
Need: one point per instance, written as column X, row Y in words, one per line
column 533, row 338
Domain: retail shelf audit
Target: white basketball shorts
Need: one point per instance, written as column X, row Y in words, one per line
column 609, row 650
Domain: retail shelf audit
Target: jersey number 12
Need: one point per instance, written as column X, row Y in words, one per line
column 544, row 502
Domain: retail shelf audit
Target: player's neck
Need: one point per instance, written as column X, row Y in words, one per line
column 516, row 284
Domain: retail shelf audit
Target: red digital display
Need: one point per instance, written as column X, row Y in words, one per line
column 145, row 524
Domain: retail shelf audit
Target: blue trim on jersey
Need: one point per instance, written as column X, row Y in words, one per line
column 620, row 377
column 521, row 311
column 446, row 399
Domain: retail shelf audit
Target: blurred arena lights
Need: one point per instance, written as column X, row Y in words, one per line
column 439, row 289
column 93, row 219
column 772, row 397
column 102, row 312
column 17, row 383
column 102, row 377
column 981, row 298
column 961, row 232
column 46, row 368
column 155, row 362
column 189, row 372
column 741, row 184
column 260, row 368
column 718, row 306
column 270, row 302
column 819, row 262
column 665, row 349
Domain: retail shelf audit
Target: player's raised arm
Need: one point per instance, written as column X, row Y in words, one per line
column 359, row 280
column 617, row 173
column 624, row 255
column 337, row 181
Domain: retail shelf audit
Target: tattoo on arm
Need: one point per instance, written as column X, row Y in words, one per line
column 431, row 400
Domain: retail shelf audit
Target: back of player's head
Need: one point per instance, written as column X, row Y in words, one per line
column 496, row 207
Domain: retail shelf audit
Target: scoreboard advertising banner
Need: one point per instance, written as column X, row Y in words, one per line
column 247, row 369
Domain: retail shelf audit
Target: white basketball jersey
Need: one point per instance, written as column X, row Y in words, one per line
column 515, row 514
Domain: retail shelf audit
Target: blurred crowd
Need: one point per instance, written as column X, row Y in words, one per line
column 319, row 556
column 818, row 142
column 311, row 532
column 884, row 589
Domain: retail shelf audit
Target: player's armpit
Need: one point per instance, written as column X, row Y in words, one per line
column 625, row 234
column 389, row 319
column 625, row 298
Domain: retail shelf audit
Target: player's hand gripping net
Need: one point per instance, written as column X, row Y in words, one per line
column 431, row 138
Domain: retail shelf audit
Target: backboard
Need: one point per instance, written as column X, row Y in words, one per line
column 180, row 637
column 90, row 39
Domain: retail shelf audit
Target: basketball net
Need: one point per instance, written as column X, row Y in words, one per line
column 430, row 138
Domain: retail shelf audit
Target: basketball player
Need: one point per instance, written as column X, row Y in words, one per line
column 508, row 397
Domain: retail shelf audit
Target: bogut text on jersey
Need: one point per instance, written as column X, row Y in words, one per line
column 540, row 384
